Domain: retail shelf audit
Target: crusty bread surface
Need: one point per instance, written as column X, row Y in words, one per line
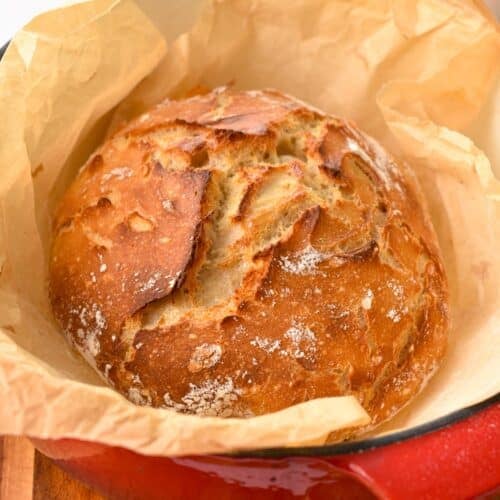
column 239, row 252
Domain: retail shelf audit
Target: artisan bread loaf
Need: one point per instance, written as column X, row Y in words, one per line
column 236, row 253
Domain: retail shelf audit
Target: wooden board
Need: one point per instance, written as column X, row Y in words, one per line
column 26, row 474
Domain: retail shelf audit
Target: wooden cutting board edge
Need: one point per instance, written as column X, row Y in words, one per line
column 26, row 474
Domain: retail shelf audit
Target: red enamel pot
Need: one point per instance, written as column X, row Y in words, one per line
column 455, row 457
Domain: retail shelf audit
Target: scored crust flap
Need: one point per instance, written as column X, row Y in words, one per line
column 402, row 74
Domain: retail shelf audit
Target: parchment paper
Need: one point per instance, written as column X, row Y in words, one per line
column 409, row 73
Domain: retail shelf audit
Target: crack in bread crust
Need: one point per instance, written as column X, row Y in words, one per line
column 239, row 252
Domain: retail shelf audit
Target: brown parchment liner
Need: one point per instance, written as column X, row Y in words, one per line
column 412, row 74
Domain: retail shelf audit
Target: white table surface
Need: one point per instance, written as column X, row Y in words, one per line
column 15, row 13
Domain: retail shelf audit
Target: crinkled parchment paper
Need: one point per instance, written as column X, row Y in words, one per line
column 411, row 73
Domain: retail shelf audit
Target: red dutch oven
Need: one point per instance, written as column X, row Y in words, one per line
column 454, row 457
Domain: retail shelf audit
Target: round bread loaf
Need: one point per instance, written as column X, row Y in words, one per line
column 236, row 253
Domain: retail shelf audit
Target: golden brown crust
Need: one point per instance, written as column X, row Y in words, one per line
column 239, row 252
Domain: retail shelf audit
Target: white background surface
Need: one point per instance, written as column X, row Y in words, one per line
column 15, row 13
